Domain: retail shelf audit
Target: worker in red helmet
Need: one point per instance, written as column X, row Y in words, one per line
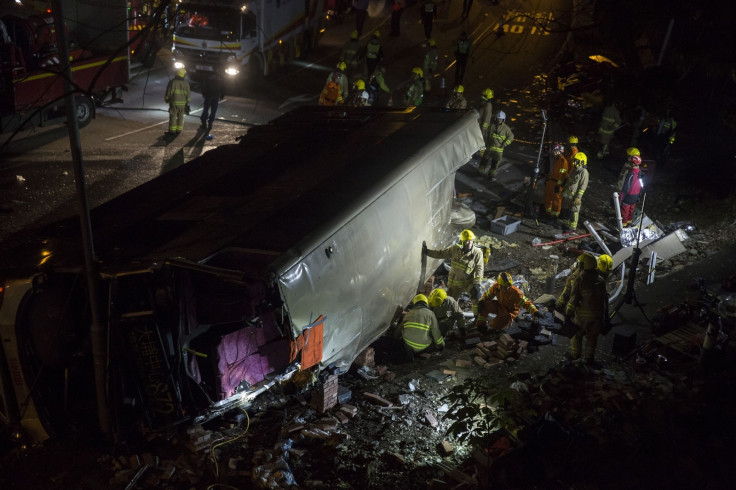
column 632, row 188
column 509, row 300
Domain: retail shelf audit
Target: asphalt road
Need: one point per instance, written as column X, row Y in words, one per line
column 125, row 145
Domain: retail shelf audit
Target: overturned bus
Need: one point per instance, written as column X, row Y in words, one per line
column 288, row 251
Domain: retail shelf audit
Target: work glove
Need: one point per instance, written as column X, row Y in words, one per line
column 187, row 109
column 424, row 248
column 577, row 201
column 475, row 292
column 537, row 314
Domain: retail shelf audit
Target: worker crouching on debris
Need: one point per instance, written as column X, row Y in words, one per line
column 447, row 310
column 420, row 329
column 506, row 306
column 587, row 310
column 466, row 265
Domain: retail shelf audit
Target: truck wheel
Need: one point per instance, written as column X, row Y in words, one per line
column 85, row 111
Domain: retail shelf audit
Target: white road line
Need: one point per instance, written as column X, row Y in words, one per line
column 145, row 128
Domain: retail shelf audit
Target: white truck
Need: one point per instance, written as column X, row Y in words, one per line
column 244, row 36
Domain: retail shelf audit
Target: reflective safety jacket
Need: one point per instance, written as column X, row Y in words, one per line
column 177, row 92
column 466, row 269
column 415, row 93
column 576, row 184
column 463, row 47
column 500, row 136
column 485, row 118
column 420, row 328
column 350, row 53
column 510, row 299
column 430, row 61
column 610, row 120
column 456, row 101
column 588, row 298
column 373, row 49
column 448, row 313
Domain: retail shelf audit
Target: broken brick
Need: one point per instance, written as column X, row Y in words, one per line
column 373, row 398
column 447, row 448
column 350, row 410
column 463, row 363
column 342, row 417
column 450, row 372
column 365, row 358
column 479, row 360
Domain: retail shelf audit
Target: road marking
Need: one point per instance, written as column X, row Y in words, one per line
column 297, row 98
column 145, row 128
column 136, row 131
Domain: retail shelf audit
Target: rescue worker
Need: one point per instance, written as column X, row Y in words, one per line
column 605, row 265
column 508, row 301
column 351, row 54
column 447, row 311
column 429, row 14
column 430, row 64
column 213, row 91
column 420, row 329
column 377, row 85
column 361, row 11
column 587, row 310
column 610, row 121
column 177, row 96
column 486, row 112
column 415, row 92
column 396, row 10
column 463, row 48
column 336, row 87
column 664, row 137
column 499, row 136
column 555, row 182
column 629, row 196
column 572, row 147
column 373, row 52
column 573, row 190
column 466, row 265
column 564, row 297
column 467, row 5
column 628, row 165
column 359, row 95
column 457, row 99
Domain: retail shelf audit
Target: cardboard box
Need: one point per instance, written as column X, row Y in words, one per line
column 505, row 225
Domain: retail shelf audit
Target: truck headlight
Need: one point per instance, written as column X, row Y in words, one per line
column 178, row 65
column 231, row 70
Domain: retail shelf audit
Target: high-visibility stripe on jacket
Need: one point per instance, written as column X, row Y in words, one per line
column 465, row 268
column 420, row 329
column 576, row 185
column 177, row 92
column 500, row 137
column 589, row 297
column 511, row 298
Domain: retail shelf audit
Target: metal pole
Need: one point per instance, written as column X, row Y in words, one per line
column 528, row 204
column 666, row 41
column 95, row 330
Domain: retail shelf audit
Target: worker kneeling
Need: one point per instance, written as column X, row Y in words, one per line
column 419, row 329
column 506, row 306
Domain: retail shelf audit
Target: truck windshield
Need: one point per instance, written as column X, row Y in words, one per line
column 206, row 24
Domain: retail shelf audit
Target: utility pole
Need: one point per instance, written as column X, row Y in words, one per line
column 95, row 330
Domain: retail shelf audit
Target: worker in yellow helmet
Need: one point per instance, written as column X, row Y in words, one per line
column 457, row 99
column 420, row 329
column 466, row 265
column 335, row 91
column 572, row 192
column 177, row 95
column 504, row 300
column 587, row 310
column 447, row 310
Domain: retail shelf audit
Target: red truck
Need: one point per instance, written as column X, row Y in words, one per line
column 31, row 75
